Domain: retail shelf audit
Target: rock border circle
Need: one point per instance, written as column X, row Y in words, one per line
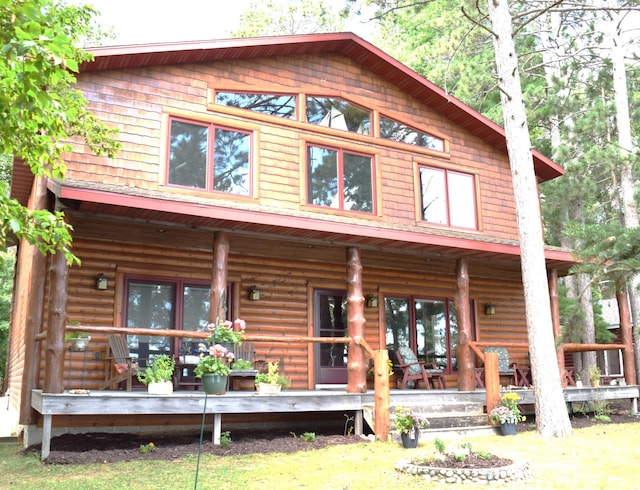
column 518, row 471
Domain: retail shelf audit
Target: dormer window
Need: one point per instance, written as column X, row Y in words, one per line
column 209, row 157
column 337, row 113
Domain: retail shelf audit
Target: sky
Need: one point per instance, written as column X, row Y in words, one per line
column 151, row 21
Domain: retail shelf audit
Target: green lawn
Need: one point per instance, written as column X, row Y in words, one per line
column 599, row 457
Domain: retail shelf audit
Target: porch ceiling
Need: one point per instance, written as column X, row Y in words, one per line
column 301, row 227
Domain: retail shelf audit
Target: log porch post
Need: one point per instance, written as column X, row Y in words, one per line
column 356, row 366
column 466, row 374
column 555, row 322
column 217, row 310
column 627, row 336
column 54, row 354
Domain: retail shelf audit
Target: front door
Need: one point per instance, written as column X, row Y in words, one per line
column 330, row 320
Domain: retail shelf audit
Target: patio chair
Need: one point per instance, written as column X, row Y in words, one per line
column 505, row 367
column 243, row 351
column 122, row 368
column 412, row 369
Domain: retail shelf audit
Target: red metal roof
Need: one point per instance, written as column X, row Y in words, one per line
column 347, row 44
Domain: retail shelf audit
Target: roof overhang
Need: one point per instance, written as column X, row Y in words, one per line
column 156, row 209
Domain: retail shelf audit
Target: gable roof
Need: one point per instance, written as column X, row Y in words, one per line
column 346, row 44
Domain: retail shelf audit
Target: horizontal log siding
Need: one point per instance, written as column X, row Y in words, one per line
column 135, row 100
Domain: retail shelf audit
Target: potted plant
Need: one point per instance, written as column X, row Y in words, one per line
column 578, row 380
column 214, row 369
column 271, row 381
column 158, row 375
column 594, row 375
column 79, row 341
column 407, row 421
column 227, row 332
column 507, row 414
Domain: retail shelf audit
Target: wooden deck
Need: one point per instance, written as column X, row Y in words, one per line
column 196, row 402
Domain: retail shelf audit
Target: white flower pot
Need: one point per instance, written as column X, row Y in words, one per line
column 161, row 388
column 267, row 389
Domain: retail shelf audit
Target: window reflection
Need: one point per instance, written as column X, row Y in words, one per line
column 339, row 114
column 272, row 104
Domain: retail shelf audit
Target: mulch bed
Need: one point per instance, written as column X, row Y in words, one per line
column 110, row 448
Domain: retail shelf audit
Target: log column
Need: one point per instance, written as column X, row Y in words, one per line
column 466, row 374
column 54, row 355
column 555, row 322
column 627, row 336
column 356, row 366
column 217, row 310
column 35, row 302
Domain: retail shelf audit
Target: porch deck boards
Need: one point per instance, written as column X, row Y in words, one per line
column 193, row 402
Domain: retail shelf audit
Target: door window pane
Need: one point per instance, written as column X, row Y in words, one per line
column 195, row 315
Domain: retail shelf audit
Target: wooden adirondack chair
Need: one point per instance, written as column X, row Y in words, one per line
column 412, row 369
column 122, row 368
column 243, row 351
column 505, row 367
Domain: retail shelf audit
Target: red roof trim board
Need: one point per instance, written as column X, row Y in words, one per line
column 347, row 44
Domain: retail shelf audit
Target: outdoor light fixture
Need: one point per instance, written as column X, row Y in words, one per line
column 254, row 293
column 101, row 282
column 489, row 309
column 372, row 301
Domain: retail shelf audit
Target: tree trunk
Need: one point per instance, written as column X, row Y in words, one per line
column 551, row 413
column 56, row 322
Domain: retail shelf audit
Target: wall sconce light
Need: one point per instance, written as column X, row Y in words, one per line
column 101, row 282
column 489, row 309
column 254, row 293
column 371, row 301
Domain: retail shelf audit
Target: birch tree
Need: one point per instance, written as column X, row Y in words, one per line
column 551, row 414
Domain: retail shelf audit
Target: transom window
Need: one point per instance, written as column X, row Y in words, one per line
column 265, row 103
column 396, row 131
column 428, row 326
column 339, row 114
column 340, row 179
column 448, row 197
column 209, row 157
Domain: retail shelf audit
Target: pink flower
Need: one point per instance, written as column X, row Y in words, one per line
column 240, row 324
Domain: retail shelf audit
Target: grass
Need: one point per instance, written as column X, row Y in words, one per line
column 599, row 457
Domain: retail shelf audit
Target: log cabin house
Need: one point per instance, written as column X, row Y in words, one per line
column 291, row 172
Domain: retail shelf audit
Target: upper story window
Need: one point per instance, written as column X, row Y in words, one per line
column 337, row 113
column 340, row 179
column 448, row 197
column 280, row 105
column 209, row 157
column 396, row 131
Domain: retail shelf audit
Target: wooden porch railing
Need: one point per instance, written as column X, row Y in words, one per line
column 380, row 359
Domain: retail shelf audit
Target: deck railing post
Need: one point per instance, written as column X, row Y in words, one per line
column 381, row 394
column 491, row 380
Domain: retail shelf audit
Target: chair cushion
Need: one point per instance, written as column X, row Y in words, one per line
column 503, row 358
column 409, row 358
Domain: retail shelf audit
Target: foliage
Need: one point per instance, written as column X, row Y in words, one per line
column 594, row 374
column 372, row 371
column 308, row 436
column 242, row 364
column 508, row 412
column 40, row 110
column 7, row 264
column 282, row 17
column 272, row 376
column 217, row 362
column 232, row 332
column 147, row 448
column 158, row 369
column 225, row 439
column 405, row 420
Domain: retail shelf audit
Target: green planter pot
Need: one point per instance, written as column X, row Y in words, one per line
column 214, row 384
